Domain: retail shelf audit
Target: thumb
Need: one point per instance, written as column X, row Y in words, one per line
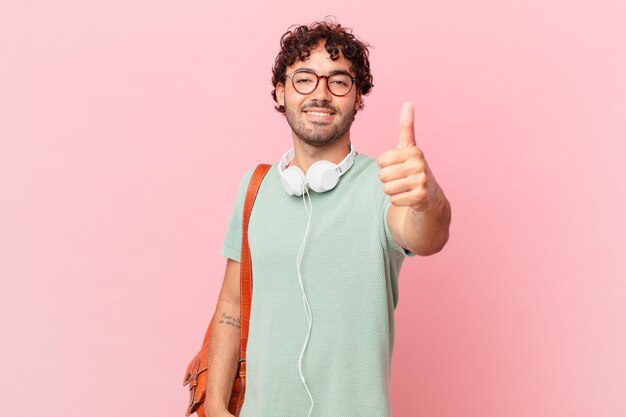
column 407, row 133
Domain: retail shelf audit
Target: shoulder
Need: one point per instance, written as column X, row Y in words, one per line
column 367, row 167
column 366, row 176
column 367, row 161
column 246, row 176
column 244, row 180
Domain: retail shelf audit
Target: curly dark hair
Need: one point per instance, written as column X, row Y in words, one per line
column 297, row 42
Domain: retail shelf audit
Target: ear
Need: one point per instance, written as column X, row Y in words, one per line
column 357, row 100
column 280, row 94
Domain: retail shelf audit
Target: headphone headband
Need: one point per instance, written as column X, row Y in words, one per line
column 341, row 168
column 321, row 176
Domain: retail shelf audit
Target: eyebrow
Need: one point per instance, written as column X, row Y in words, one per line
column 339, row 71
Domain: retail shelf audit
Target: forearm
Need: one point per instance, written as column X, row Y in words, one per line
column 426, row 232
column 223, row 357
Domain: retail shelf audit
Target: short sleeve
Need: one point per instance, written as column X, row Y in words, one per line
column 391, row 242
column 232, row 242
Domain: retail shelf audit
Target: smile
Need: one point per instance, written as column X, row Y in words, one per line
column 319, row 112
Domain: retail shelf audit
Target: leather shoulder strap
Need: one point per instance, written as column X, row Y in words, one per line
column 246, row 261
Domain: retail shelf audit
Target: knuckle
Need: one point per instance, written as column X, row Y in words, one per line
column 416, row 165
column 418, row 180
column 417, row 151
column 416, row 194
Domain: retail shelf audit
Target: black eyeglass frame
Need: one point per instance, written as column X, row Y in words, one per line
column 318, row 81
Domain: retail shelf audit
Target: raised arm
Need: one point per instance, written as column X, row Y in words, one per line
column 419, row 219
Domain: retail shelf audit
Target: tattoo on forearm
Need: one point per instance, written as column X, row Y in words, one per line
column 230, row 320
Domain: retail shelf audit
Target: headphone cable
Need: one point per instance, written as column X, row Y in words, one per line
column 307, row 308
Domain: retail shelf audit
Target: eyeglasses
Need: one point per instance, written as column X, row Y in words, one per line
column 305, row 82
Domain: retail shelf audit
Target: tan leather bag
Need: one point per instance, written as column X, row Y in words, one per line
column 196, row 374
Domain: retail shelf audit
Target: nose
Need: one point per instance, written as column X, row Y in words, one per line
column 321, row 92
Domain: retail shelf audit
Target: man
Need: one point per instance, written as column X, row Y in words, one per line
column 325, row 264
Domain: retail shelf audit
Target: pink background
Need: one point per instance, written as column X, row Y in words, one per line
column 125, row 128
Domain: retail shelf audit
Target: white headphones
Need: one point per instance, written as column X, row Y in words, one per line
column 321, row 176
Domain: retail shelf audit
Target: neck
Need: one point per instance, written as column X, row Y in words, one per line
column 305, row 155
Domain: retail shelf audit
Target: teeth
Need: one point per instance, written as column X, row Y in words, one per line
column 317, row 113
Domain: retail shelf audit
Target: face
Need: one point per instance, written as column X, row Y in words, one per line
column 319, row 118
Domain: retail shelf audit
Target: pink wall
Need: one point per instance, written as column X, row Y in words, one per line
column 126, row 126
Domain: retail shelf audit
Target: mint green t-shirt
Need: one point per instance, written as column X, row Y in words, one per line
column 349, row 270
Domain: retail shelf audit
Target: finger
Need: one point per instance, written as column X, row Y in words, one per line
column 407, row 133
column 399, row 155
column 393, row 156
column 408, row 198
column 394, row 172
column 398, row 186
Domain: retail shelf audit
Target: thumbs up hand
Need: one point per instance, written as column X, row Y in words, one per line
column 405, row 174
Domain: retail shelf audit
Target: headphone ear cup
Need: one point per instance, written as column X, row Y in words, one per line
column 322, row 176
column 293, row 180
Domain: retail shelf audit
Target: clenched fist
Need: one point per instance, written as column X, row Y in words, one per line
column 404, row 172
